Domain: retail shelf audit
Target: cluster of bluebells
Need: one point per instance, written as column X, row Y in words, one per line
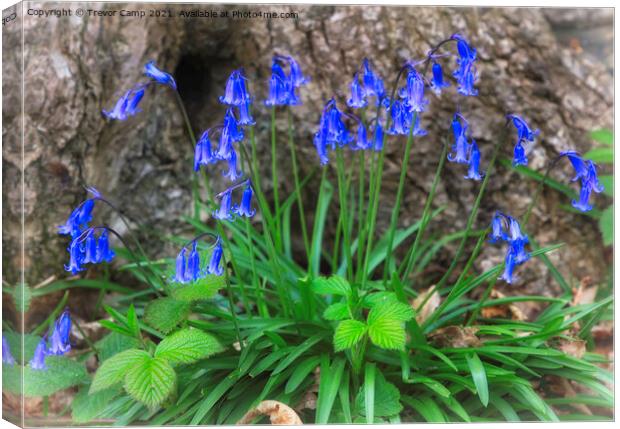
column 464, row 152
column 283, row 87
column 524, row 135
column 370, row 85
column 188, row 268
column 127, row 104
column 58, row 343
column 86, row 247
column 585, row 170
column 227, row 209
column 507, row 229
column 466, row 73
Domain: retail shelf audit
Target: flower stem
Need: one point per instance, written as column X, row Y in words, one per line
column 300, row 204
column 244, row 297
column 426, row 214
column 399, row 196
column 274, row 179
column 344, row 213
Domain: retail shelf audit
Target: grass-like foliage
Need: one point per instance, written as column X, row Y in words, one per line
column 356, row 331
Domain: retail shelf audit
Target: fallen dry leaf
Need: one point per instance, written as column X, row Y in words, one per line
column 575, row 348
column 456, row 337
column 279, row 414
column 506, row 311
column 429, row 307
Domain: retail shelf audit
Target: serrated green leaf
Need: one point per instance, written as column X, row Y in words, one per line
column 479, row 376
column 86, row 408
column 165, row 314
column 187, row 346
column 150, row 381
column 201, row 289
column 60, row 374
column 334, row 285
column 22, row 294
column 113, row 370
column 369, row 301
column 386, row 398
column 114, row 343
column 603, row 136
column 387, row 334
column 392, row 310
column 603, row 155
column 348, row 333
column 337, row 311
column 606, row 225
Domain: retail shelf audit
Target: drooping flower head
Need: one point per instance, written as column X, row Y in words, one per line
column 159, row 76
column 38, row 360
column 332, row 131
column 104, row 252
column 506, row 228
column 230, row 133
column 466, row 74
column 223, row 213
column 378, row 137
column 358, row 95
column 76, row 258
column 181, row 264
column 460, row 147
column 127, row 104
column 413, row 92
column 236, row 92
column 586, row 171
column 60, row 336
column 232, row 173
column 214, row 264
column 203, row 154
column 7, row 357
column 402, row 118
column 78, row 219
column 473, row 171
column 524, row 135
column 373, row 84
column 245, row 208
column 282, row 87
column 88, row 249
column 192, row 273
column 297, row 77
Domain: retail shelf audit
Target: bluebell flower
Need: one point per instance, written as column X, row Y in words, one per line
column 373, row 84
column 159, row 76
column 497, row 228
column 180, row 266
column 245, row 117
column 509, row 267
column 437, row 82
column 517, row 241
column 331, row 132
column 524, row 132
column 245, row 208
column 519, row 156
column 214, row 264
column 358, row 95
column 586, row 171
column 90, row 251
column 127, row 105
column 297, row 77
column 466, row 73
column 362, row 142
column 236, row 93
column 78, row 220
column 584, row 197
column 232, row 172
column 104, row 253
column 192, row 273
column 279, row 86
column 581, row 169
column 38, row 360
column 203, row 154
column 378, row 137
column 76, row 258
column 59, row 339
column 320, row 143
column 7, row 357
column 399, row 115
column 413, row 93
column 460, row 148
column 232, row 126
column 474, row 162
column 223, row 213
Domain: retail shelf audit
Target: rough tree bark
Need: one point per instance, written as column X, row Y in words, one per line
column 75, row 67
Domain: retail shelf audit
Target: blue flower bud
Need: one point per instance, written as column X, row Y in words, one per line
column 59, row 339
column 378, row 138
column 373, row 84
column 466, row 73
column 509, row 267
column 216, row 256
column 159, row 76
column 516, row 253
column 474, row 162
column 581, row 169
column 519, row 157
column 497, row 228
column 7, row 357
column 76, row 258
column 232, row 172
column 223, row 213
column 202, row 152
column 193, row 265
column 38, row 360
column 245, row 208
column 279, row 86
column 127, row 105
column 78, row 220
column 297, row 77
column 104, row 253
column 524, row 132
column 437, row 83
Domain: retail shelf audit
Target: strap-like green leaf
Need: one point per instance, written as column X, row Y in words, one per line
column 479, row 376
